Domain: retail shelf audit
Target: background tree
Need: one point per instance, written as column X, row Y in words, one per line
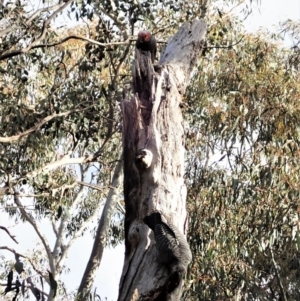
column 60, row 117
column 60, row 136
column 243, row 198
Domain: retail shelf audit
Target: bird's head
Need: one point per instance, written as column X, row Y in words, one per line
column 144, row 36
column 153, row 219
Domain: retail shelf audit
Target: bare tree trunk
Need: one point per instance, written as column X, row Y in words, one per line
column 100, row 239
column 153, row 142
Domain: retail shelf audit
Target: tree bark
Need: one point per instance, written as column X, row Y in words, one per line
column 93, row 264
column 153, row 145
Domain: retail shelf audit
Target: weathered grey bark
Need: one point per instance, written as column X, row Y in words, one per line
column 153, row 142
column 100, row 239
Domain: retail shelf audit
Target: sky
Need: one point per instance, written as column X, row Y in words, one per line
column 270, row 13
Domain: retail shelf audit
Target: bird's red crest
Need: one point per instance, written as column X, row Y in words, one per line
column 144, row 36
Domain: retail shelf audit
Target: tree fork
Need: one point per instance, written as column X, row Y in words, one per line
column 153, row 146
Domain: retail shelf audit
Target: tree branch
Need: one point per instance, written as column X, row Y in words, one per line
column 51, row 166
column 283, row 295
column 100, row 240
column 36, row 228
column 97, row 187
column 62, row 227
column 77, row 37
column 101, row 188
column 31, row 18
column 41, row 10
column 28, row 195
column 38, row 125
column 20, row 255
column 8, row 53
column 37, row 270
column 11, row 236
column 13, row 251
column 73, row 239
column 118, row 24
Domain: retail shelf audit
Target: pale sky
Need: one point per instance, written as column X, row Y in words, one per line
column 271, row 12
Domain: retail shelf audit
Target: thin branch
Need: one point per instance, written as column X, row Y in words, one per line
column 30, row 19
column 36, row 269
column 29, row 195
column 45, row 294
column 118, row 24
column 227, row 14
column 27, row 207
column 35, row 226
column 11, row 236
column 97, row 187
column 73, row 239
column 46, row 24
column 13, row 251
column 53, row 165
column 223, row 47
column 77, row 37
column 101, row 188
column 20, row 255
column 101, row 235
column 38, row 125
column 59, row 240
column 63, row 225
column 283, row 295
column 41, row 10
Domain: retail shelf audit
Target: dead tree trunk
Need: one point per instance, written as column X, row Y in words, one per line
column 153, row 144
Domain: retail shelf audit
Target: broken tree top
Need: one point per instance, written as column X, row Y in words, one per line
column 178, row 59
column 184, row 42
column 184, row 47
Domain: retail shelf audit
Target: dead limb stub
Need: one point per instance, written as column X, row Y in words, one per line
column 153, row 145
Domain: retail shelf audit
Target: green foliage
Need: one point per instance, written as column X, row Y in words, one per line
column 61, row 127
column 243, row 181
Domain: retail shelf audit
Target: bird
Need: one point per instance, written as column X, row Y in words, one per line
column 143, row 159
column 173, row 248
column 146, row 42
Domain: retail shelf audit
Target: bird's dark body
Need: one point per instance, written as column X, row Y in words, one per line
column 147, row 42
column 171, row 244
